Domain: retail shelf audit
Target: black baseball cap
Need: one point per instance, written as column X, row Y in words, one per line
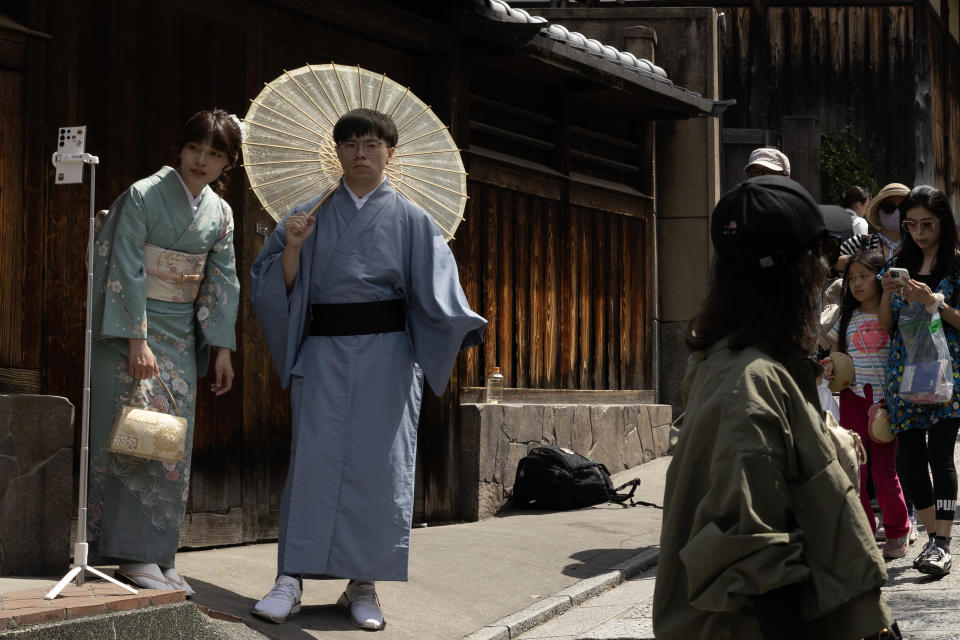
column 765, row 222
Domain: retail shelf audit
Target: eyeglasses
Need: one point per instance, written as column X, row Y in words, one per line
column 368, row 146
column 924, row 225
column 887, row 206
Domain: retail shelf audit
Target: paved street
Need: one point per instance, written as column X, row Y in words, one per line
column 926, row 608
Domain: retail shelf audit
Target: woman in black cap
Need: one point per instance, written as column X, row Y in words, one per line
column 763, row 534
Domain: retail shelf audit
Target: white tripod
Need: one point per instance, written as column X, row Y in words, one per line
column 80, row 548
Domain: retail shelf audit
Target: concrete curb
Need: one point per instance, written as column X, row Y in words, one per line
column 182, row 620
column 552, row 606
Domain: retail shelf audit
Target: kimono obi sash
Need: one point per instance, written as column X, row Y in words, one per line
column 173, row 276
column 358, row 318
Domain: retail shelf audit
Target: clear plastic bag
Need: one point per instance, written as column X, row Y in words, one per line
column 928, row 369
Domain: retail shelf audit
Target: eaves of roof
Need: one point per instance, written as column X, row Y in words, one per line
column 620, row 69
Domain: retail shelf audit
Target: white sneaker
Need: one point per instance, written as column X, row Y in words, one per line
column 912, row 536
column 144, row 575
column 177, row 582
column 282, row 601
column 361, row 601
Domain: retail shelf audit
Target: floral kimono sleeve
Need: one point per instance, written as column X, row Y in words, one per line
column 120, row 295
column 219, row 296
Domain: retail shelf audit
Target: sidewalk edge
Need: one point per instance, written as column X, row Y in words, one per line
column 554, row 605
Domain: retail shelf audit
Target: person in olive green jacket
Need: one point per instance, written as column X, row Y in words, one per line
column 763, row 533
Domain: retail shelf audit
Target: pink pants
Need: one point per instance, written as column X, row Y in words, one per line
column 883, row 464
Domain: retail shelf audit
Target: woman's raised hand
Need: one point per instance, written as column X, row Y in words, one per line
column 141, row 361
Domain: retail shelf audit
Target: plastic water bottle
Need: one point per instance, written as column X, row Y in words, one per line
column 494, row 393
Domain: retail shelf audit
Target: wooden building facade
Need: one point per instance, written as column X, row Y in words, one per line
column 881, row 80
column 854, row 92
column 556, row 248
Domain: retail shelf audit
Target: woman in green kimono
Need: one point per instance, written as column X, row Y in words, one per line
column 165, row 294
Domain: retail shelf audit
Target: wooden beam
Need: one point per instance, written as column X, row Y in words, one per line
column 19, row 380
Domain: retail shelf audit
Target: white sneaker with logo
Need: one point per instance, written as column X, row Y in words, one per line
column 282, row 601
column 937, row 562
column 361, row 602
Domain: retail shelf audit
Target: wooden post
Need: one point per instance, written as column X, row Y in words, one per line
column 922, row 112
column 801, row 144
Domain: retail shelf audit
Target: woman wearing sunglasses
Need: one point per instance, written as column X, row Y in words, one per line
column 926, row 433
column 883, row 213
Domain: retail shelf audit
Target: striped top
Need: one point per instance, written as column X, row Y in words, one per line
column 869, row 242
column 867, row 345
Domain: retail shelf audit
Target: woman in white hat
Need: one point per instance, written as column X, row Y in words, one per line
column 882, row 213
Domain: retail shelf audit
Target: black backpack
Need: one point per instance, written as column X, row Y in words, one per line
column 554, row 478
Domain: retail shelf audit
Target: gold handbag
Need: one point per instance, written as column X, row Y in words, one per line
column 149, row 434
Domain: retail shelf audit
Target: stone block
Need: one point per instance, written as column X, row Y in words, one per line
column 661, row 440
column 40, row 502
column 39, row 426
column 514, row 453
column 549, row 426
column 582, row 439
column 528, row 425
column 36, row 484
column 606, row 435
column 645, row 433
column 563, row 425
column 631, row 451
column 490, row 497
column 615, row 428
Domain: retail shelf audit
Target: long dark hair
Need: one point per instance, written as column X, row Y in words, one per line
column 873, row 261
column 218, row 129
column 776, row 308
column 911, row 256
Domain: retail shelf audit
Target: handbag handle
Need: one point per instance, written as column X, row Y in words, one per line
column 136, row 384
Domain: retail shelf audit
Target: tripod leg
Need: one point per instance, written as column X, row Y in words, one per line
column 53, row 593
column 111, row 579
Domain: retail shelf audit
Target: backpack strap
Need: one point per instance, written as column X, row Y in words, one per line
column 620, row 498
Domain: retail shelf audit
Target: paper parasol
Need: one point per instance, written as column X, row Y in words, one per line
column 290, row 157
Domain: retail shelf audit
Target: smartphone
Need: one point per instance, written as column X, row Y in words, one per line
column 901, row 275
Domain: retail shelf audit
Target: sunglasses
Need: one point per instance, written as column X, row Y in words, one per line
column 924, row 225
column 887, row 206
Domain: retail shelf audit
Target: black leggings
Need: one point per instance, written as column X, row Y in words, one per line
column 934, row 447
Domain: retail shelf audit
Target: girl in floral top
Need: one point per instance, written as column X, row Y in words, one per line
column 927, row 433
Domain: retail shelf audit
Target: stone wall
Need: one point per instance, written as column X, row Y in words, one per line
column 495, row 436
column 37, row 498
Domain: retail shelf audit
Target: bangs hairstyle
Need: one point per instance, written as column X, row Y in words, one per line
column 774, row 308
column 362, row 122
column 874, row 262
column 217, row 128
column 911, row 256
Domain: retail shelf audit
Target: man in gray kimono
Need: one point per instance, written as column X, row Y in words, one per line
column 358, row 303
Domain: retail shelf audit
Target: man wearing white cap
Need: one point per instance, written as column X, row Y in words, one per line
column 767, row 161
